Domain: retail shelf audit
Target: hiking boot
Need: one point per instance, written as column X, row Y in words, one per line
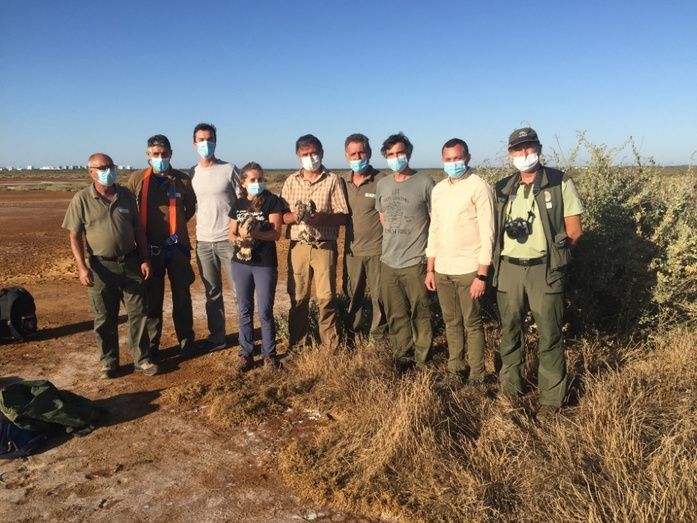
column 547, row 413
column 245, row 363
column 148, row 368
column 107, row 372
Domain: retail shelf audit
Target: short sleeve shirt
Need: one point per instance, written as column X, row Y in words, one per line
column 535, row 245
column 109, row 227
column 263, row 252
column 406, row 208
column 364, row 230
column 327, row 191
column 216, row 190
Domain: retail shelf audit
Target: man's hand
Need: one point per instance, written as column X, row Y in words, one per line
column 430, row 281
column 145, row 269
column 86, row 277
column 477, row 288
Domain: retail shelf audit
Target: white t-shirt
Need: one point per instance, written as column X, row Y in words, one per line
column 216, row 189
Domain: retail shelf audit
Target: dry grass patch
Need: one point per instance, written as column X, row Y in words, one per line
column 415, row 449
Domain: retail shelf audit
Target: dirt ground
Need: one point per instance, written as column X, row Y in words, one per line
column 151, row 460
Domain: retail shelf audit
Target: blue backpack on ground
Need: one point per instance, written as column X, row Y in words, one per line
column 16, row 442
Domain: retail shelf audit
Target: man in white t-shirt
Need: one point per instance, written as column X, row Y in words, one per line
column 216, row 184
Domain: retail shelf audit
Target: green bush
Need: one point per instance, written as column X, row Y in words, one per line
column 635, row 265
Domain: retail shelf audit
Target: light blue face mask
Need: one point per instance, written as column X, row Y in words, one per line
column 455, row 169
column 358, row 166
column 159, row 165
column 205, row 149
column 398, row 164
column 256, row 188
column 106, row 177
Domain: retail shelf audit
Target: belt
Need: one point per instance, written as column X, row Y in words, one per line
column 119, row 259
column 525, row 262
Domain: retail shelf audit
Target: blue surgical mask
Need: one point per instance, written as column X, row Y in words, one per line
column 205, row 149
column 106, row 177
column 398, row 164
column 159, row 165
column 455, row 169
column 358, row 166
column 255, row 188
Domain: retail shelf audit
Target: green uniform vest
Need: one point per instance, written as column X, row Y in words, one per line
column 551, row 209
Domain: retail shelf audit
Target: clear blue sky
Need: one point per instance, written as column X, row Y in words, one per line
column 84, row 76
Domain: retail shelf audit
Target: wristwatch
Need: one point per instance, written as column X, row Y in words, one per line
column 481, row 277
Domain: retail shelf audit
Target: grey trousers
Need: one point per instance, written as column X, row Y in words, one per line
column 215, row 258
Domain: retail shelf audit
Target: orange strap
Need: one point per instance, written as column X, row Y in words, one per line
column 172, row 193
column 144, row 199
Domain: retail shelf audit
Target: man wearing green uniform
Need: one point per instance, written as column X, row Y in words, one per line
column 106, row 214
column 166, row 201
column 538, row 222
column 363, row 244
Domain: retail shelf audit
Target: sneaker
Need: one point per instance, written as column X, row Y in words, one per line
column 107, row 372
column 147, row 367
column 245, row 363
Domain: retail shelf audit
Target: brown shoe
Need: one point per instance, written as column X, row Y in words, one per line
column 270, row 362
column 245, row 363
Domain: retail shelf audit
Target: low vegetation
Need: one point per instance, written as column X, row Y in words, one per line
column 417, row 447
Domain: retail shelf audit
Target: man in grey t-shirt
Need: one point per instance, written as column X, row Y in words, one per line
column 215, row 183
column 404, row 203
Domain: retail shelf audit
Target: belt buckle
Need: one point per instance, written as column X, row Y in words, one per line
column 120, row 259
column 524, row 262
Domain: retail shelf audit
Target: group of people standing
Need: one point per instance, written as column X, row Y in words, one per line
column 405, row 236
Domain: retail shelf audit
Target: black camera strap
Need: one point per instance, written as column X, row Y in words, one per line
column 536, row 185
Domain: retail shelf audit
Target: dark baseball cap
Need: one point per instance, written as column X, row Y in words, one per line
column 524, row 135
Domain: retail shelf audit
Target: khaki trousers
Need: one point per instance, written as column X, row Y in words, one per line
column 113, row 282
column 361, row 274
column 308, row 264
column 462, row 314
column 407, row 306
column 547, row 306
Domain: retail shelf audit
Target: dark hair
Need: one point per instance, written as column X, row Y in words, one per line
column 307, row 140
column 159, row 139
column 452, row 143
column 206, row 127
column 359, row 138
column 393, row 140
column 259, row 199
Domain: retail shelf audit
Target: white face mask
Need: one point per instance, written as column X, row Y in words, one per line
column 311, row 162
column 525, row 163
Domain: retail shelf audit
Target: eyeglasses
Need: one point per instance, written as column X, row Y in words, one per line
column 101, row 167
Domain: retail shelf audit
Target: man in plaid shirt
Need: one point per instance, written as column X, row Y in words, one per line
column 313, row 253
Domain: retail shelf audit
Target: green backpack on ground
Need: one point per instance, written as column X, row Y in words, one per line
column 39, row 406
